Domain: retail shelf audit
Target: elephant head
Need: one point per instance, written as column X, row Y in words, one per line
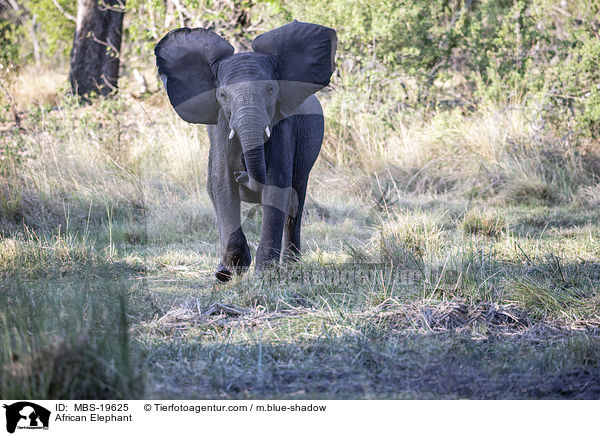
column 253, row 90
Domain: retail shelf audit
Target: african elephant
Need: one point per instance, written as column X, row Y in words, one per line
column 264, row 124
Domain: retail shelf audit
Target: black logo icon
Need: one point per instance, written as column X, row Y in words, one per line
column 26, row 415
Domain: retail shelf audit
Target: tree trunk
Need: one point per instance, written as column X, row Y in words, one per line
column 96, row 46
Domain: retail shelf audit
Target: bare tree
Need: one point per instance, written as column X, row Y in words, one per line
column 96, row 46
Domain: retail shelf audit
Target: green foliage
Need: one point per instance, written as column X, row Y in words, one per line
column 9, row 44
column 56, row 28
column 150, row 20
column 510, row 50
column 399, row 54
column 579, row 79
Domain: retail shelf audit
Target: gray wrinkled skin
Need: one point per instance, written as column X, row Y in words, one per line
column 289, row 154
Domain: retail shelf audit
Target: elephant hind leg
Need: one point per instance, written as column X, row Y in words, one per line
column 269, row 249
column 236, row 257
column 309, row 137
column 291, row 232
column 291, row 240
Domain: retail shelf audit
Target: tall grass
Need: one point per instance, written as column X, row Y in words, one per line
column 501, row 150
column 83, row 166
column 129, row 158
column 67, row 339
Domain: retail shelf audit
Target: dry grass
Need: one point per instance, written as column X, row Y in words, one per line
column 38, row 86
column 494, row 151
column 589, row 195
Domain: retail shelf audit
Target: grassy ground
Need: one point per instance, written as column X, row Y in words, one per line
column 452, row 258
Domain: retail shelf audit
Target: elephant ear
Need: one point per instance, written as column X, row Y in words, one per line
column 305, row 55
column 186, row 60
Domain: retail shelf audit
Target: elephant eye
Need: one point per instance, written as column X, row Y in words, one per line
column 222, row 95
column 270, row 90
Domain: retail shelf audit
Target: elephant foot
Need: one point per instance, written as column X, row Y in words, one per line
column 236, row 258
column 222, row 273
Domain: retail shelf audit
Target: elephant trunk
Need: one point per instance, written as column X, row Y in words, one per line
column 250, row 128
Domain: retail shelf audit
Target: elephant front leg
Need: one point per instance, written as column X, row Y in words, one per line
column 234, row 250
column 277, row 204
column 269, row 249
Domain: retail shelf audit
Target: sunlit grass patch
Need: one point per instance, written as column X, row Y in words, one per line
column 406, row 238
column 484, row 222
column 35, row 256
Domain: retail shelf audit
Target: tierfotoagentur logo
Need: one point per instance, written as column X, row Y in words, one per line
column 26, row 415
column 358, row 273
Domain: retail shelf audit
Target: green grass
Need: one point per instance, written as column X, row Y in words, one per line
column 421, row 278
column 68, row 338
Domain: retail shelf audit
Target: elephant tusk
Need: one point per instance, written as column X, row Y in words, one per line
column 268, row 132
column 231, row 134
